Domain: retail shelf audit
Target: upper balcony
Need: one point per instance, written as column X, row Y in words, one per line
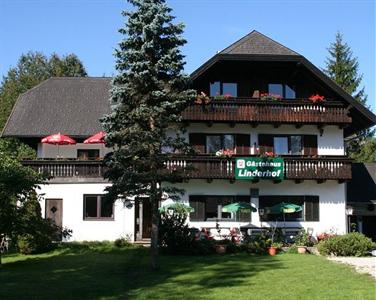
column 255, row 111
column 204, row 167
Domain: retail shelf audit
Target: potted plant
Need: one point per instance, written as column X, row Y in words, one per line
column 202, row 98
column 273, row 249
column 302, row 241
column 269, row 96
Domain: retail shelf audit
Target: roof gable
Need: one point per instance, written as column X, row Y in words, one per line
column 257, row 44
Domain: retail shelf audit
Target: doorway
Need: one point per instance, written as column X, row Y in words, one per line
column 54, row 211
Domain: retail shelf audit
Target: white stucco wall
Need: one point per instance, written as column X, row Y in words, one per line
column 67, row 151
column 89, row 230
column 331, row 196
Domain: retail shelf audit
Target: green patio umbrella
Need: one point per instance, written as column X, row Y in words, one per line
column 284, row 208
column 238, row 206
column 176, row 206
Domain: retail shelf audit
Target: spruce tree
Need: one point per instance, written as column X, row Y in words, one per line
column 343, row 68
column 147, row 96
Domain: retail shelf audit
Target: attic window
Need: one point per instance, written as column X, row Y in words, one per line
column 284, row 90
column 223, row 88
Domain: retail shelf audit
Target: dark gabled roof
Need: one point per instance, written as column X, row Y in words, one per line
column 256, row 43
column 258, row 47
column 69, row 105
column 362, row 187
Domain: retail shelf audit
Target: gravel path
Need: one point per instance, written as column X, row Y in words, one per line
column 361, row 264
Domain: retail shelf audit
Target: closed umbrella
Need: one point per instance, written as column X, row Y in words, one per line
column 58, row 139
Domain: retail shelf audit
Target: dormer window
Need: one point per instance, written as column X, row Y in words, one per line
column 218, row 88
column 284, row 90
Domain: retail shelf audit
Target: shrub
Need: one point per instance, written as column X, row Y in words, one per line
column 122, row 242
column 351, row 244
column 201, row 247
column 258, row 244
column 303, row 239
column 174, row 234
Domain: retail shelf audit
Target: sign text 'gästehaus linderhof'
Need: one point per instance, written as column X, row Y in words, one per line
column 259, row 168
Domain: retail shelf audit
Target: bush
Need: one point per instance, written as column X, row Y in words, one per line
column 351, row 244
column 201, row 247
column 174, row 234
column 122, row 242
column 258, row 244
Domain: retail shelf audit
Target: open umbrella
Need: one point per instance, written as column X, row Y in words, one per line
column 176, row 206
column 284, row 208
column 97, row 138
column 238, row 206
column 58, row 139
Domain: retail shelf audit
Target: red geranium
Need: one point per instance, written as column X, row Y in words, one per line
column 317, row 98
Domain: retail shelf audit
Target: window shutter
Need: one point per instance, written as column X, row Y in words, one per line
column 198, row 204
column 310, row 145
column 311, row 208
column 243, row 142
column 197, row 141
column 265, row 142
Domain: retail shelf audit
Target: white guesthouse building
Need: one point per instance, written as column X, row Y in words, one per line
column 260, row 106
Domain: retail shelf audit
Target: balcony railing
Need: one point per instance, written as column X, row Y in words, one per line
column 257, row 111
column 295, row 168
column 204, row 167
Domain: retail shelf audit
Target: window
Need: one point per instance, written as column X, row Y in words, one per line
column 87, row 154
column 310, row 205
column 284, row 145
column 209, row 208
column 223, row 88
column 284, row 90
column 96, row 207
column 217, row 142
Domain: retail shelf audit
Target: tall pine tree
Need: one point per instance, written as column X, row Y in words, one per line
column 343, row 68
column 147, row 96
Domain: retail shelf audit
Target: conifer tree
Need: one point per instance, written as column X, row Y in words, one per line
column 147, row 96
column 343, row 68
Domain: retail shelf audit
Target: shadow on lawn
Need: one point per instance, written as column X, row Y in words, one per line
column 121, row 274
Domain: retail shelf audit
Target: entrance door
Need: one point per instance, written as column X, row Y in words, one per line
column 369, row 226
column 146, row 219
column 54, row 211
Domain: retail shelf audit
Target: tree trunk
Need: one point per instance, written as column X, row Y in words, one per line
column 154, row 251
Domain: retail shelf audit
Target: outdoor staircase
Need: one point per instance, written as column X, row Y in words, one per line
column 143, row 242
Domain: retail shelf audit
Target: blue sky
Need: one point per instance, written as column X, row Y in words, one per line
column 88, row 28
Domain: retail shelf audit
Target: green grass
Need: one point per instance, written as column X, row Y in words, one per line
column 102, row 272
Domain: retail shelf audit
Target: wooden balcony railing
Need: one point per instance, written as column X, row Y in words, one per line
column 295, row 168
column 277, row 112
column 68, row 169
column 204, row 167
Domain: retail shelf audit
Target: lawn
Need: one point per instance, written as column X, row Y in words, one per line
column 107, row 273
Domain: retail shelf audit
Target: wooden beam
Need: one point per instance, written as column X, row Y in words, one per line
column 276, row 125
column 298, row 125
column 232, row 124
column 209, row 180
column 319, row 181
column 254, row 125
column 209, row 123
column 297, row 181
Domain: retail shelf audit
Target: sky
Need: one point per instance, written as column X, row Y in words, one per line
column 89, row 28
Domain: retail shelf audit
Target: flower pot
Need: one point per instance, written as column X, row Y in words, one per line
column 220, row 249
column 272, row 251
column 302, row 249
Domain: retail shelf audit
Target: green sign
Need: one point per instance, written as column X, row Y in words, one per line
column 259, row 168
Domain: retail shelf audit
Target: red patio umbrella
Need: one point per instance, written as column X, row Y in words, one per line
column 97, row 138
column 58, row 139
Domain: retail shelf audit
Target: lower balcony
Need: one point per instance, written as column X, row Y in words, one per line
column 204, row 167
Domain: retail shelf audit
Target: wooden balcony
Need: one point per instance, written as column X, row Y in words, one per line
column 255, row 111
column 204, row 167
column 295, row 168
column 61, row 171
